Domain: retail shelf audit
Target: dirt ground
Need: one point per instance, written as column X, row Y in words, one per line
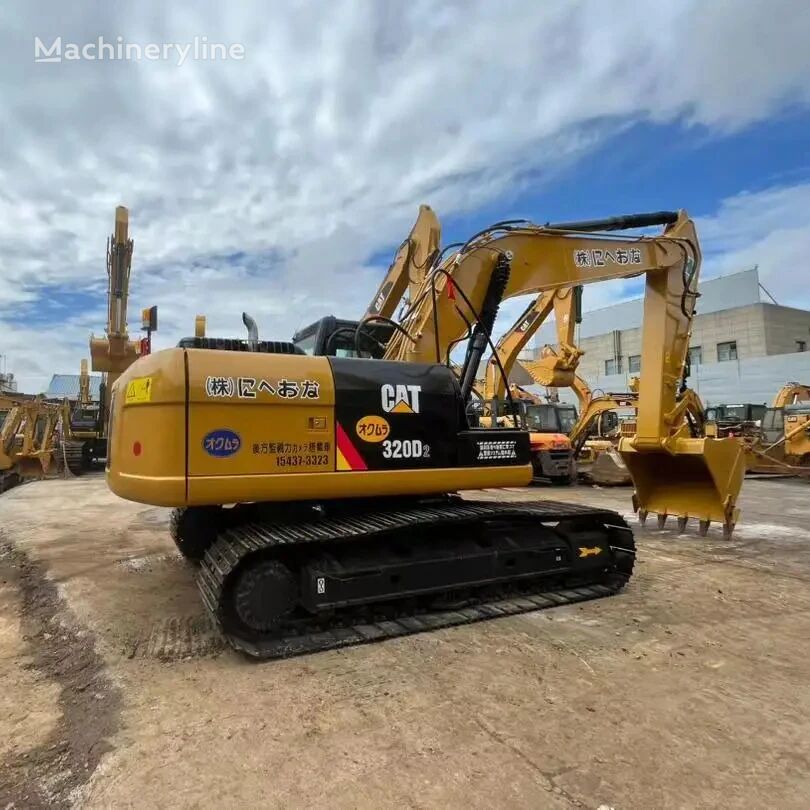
column 687, row 690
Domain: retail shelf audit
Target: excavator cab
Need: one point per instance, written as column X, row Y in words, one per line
column 337, row 337
column 773, row 425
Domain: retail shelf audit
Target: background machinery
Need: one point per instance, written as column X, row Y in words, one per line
column 86, row 442
column 549, row 422
column 737, row 420
column 782, row 443
column 28, row 440
column 341, row 469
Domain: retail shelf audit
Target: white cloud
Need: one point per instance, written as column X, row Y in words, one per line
column 770, row 229
column 314, row 151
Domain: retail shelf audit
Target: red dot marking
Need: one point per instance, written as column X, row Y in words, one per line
column 136, row 448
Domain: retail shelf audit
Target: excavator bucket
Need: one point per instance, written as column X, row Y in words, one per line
column 692, row 478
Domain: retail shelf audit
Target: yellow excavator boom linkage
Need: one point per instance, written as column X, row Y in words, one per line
column 409, row 268
column 554, row 369
column 673, row 475
column 115, row 352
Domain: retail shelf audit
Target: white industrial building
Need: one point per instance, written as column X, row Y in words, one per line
column 743, row 348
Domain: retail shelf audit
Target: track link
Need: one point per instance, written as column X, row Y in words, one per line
column 73, row 456
column 384, row 620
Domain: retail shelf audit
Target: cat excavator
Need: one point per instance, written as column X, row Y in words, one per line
column 111, row 354
column 318, row 492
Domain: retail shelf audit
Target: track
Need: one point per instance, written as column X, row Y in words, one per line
column 358, row 624
column 73, row 456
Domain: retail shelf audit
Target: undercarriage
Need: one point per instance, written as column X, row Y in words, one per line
column 337, row 574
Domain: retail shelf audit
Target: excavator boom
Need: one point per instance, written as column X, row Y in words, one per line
column 704, row 476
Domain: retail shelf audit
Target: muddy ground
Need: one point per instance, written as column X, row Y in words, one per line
column 688, row 690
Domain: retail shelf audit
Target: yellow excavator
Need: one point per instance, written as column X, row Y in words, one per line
column 579, row 451
column 338, row 470
column 593, row 436
column 596, row 434
column 111, row 354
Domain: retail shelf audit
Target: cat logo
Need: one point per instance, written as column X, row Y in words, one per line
column 400, row 398
column 589, row 551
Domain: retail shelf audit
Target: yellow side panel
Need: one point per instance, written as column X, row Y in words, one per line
column 260, row 414
column 146, row 458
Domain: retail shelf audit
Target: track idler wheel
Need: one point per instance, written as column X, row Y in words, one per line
column 264, row 593
column 194, row 529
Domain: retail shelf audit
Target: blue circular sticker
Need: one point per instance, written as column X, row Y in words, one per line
column 221, row 443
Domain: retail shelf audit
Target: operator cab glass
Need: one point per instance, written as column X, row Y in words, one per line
column 773, row 425
column 542, row 417
column 305, row 340
column 567, row 418
column 735, row 413
column 335, row 337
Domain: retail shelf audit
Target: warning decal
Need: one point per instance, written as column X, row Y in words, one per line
column 139, row 390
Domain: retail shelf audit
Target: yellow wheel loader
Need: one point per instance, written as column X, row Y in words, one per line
column 319, row 488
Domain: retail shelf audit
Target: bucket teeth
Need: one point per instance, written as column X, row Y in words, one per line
column 703, row 530
column 682, row 525
column 662, row 520
column 642, row 516
column 728, row 530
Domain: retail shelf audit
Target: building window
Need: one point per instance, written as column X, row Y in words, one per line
column 695, row 355
column 634, row 363
column 801, row 345
column 727, row 351
column 613, row 366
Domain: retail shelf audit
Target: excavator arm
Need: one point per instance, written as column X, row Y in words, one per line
column 115, row 352
column 459, row 298
column 407, row 272
column 554, row 369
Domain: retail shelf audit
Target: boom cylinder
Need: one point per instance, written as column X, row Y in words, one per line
column 621, row 223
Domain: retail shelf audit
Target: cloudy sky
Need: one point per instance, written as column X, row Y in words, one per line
column 282, row 182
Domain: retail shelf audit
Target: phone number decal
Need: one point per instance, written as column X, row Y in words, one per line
column 302, row 461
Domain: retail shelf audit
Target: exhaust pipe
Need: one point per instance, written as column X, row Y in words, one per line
column 253, row 332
